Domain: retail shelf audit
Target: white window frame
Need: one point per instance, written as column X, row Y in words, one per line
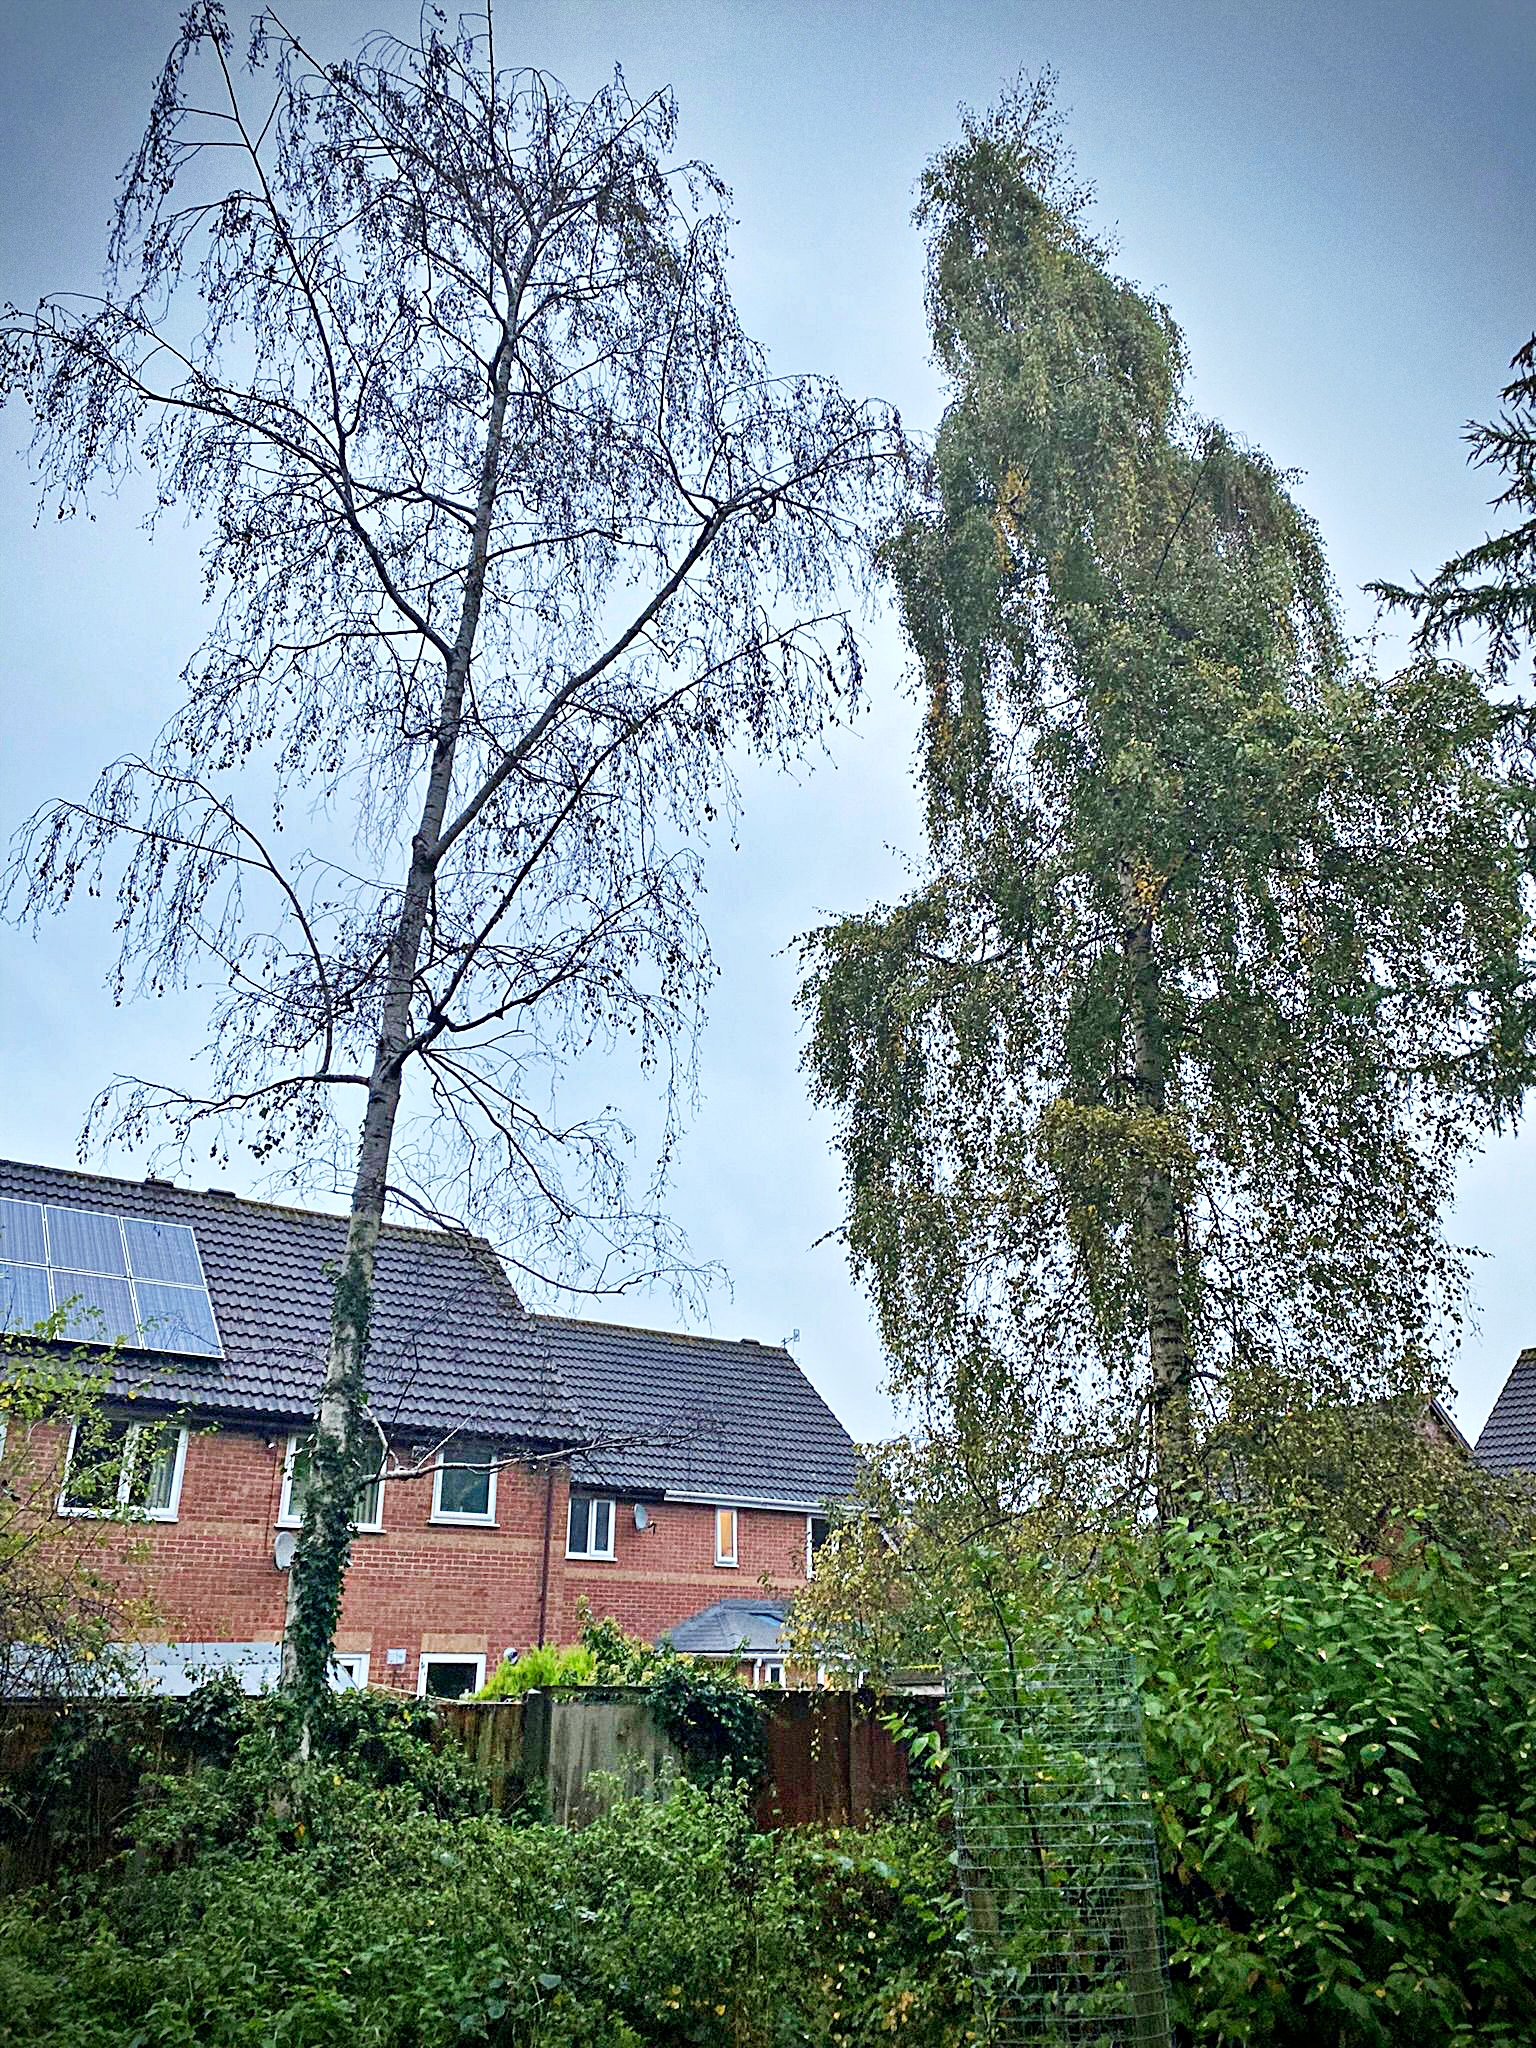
column 125, row 1477
column 450, row 1457
column 355, row 1663
column 593, row 1500
column 430, row 1657
column 761, row 1666
column 287, row 1519
column 810, row 1554
column 730, row 1558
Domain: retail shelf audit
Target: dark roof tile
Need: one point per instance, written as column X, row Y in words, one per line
column 452, row 1347
column 753, row 1628
column 735, row 1422
column 1508, row 1441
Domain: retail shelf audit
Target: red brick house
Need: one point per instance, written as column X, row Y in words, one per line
column 648, row 1473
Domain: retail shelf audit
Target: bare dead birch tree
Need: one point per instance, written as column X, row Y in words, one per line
column 510, row 537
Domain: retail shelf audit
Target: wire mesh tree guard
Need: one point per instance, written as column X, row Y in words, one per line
column 1057, row 1856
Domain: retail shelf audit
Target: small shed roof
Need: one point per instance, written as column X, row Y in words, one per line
column 748, row 1628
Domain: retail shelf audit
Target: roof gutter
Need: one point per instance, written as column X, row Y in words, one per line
column 748, row 1500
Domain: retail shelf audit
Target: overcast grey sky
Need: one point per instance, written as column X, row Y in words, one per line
column 1338, row 199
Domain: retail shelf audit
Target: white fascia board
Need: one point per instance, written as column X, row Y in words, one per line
column 746, row 1500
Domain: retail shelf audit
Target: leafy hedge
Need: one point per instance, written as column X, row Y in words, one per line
column 1344, row 1764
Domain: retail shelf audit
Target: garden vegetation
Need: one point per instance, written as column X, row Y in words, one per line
column 1341, row 1752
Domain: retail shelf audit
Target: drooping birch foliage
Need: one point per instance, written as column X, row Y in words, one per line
column 1150, row 1096
column 510, row 538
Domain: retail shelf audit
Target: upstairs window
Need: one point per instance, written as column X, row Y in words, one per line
column 464, row 1487
column 725, row 1536
column 298, row 1474
column 817, row 1530
column 116, row 1465
column 589, row 1532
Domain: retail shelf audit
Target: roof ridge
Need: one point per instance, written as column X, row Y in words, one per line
column 744, row 1600
column 650, row 1330
column 426, row 1232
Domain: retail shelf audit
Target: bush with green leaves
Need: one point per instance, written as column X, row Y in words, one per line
column 546, row 1664
column 712, row 1716
column 370, row 1919
column 1343, row 1760
column 203, row 1773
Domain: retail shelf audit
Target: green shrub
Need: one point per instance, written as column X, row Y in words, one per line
column 1343, row 1760
column 619, row 1659
column 714, row 1719
column 249, row 1790
column 546, row 1664
column 665, row 1922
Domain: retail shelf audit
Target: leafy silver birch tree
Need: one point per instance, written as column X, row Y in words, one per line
column 511, row 536
column 1151, row 1095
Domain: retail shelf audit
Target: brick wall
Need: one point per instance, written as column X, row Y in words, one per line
column 424, row 1587
column 660, row 1575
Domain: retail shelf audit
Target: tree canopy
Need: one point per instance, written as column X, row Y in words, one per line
column 1150, row 1096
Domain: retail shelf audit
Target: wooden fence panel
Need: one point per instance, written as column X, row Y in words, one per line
column 494, row 1734
column 571, row 1752
column 831, row 1763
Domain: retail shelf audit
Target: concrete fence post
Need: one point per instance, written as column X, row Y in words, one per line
column 537, row 1720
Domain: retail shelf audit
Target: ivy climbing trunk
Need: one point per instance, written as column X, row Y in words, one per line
column 339, row 1457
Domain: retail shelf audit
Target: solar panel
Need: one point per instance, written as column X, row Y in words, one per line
column 176, row 1318
column 21, row 1233
column 85, row 1242
column 161, row 1251
column 118, row 1278
column 24, row 1296
column 98, row 1306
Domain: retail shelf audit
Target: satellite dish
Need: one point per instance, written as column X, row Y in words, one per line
column 284, row 1545
column 642, row 1515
